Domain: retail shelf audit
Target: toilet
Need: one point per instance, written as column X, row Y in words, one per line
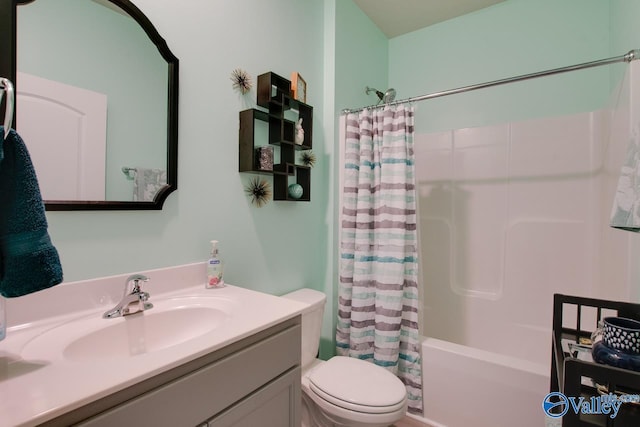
column 343, row 391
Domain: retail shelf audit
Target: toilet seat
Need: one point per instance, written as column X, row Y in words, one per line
column 358, row 386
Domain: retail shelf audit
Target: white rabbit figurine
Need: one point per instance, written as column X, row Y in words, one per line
column 299, row 139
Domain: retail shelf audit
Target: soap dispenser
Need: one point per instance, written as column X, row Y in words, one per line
column 214, row 268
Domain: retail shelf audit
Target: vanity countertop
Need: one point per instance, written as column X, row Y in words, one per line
column 36, row 390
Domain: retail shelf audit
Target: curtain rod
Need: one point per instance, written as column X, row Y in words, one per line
column 628, row 57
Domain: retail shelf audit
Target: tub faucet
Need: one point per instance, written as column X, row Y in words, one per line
column 134, row 299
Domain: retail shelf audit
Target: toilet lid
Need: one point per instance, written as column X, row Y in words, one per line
column 357, row 385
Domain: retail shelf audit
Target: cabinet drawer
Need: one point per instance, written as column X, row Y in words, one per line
column 196, row 397
column 274, row 405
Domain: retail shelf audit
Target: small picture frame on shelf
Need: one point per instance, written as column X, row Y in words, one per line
column 264, row 158
column 298, row 87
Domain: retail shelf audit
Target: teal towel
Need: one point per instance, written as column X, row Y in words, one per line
column 28, row 260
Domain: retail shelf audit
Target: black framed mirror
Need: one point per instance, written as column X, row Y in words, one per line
column 123, row 65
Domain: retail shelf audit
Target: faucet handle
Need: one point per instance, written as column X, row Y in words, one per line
column 135, row 279
column 143, row 300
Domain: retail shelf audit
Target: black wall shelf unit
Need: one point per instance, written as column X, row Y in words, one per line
column 576, row 377
column 274, row 94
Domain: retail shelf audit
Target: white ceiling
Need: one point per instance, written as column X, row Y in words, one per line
column 397, row 17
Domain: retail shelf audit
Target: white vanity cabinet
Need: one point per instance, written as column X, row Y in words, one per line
column 252, row 382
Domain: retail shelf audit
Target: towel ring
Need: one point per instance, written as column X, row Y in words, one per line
column 7, row 87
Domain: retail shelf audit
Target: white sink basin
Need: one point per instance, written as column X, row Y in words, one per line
column 170, row 322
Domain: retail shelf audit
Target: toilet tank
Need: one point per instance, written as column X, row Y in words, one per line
column 311, row 320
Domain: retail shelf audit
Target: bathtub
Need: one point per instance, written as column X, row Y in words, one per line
column 510, row 214
column 469, row 387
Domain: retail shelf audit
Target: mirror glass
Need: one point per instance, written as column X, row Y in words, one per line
column 96, row 104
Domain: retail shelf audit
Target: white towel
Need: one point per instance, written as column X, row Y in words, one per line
column 625, row 214
column 147, row 183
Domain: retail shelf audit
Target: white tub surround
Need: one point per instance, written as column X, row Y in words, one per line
column 465, row 386
column 514, row 212
column 37, row 390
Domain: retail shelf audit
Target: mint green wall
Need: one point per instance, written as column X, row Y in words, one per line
column 327, row 340
column 625, row 32
column 508, row 39
column 275, row 249
column 356, row 55
column 361, row 57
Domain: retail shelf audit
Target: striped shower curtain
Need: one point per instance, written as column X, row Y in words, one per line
column 378, row 292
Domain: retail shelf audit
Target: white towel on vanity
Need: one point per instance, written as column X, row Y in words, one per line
column 147, row 183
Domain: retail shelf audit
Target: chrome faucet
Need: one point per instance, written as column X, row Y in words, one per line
column 134, row 299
